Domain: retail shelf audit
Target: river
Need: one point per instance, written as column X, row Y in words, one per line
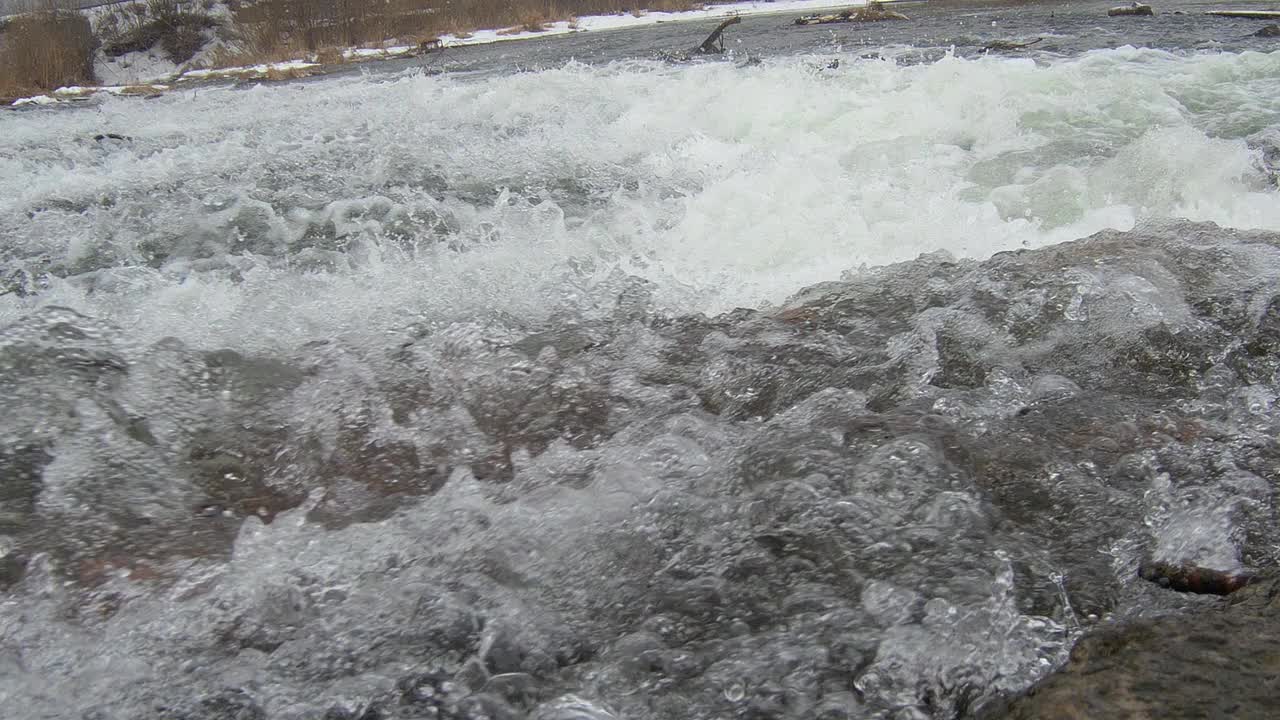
column 849, row 375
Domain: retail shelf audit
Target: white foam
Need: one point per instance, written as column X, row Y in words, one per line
column 724, row 186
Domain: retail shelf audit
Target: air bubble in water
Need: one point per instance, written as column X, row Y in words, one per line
column 735, row 692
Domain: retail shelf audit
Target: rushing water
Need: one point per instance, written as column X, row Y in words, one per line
column 594, row 391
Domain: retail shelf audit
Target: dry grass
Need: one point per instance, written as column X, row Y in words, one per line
column 275, row 73
column 279, row 29
column 44, row 51
column 143, row 90
column 307, row 26
column 330, row 56
column 48, row 49
column 532, row 23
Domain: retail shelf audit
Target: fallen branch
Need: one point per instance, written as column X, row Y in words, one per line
column 873, row 12
column 714, row 44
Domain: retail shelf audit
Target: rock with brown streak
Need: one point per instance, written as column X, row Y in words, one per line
column 1217, row 662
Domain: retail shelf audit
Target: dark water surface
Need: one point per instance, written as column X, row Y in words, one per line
column 967, row 28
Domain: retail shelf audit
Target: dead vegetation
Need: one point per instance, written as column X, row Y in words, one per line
column 178, row 28
column 279, row 29
column 45, row 50
column 51, row 48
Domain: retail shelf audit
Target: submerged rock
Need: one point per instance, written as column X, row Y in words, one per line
column 1217, row 662
column 1193, row 579
column 1009, row 45
column 1134, row 9
column 906, row 491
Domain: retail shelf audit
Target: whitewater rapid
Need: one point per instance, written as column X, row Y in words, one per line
column 629, row 389
column 725, row 186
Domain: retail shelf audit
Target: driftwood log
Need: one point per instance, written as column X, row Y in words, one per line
column 1251, row 14
column 714, row 44
column 1194, row 579
column 873, row 12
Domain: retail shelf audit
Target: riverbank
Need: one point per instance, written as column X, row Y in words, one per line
column 225, row 42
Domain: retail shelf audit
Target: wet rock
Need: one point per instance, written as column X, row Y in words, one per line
column 517, row 689
column 571, row 707
column 432, row 692
column 226, row 705
column 1257, row 358
column 1134, row 9
column 1218, row 662
column 818, row 512
column 1193, row 579
column 472, row 675
column 534, row 649
column 1009, row 45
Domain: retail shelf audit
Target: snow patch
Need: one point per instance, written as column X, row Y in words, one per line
column 618, row 22
column 372, row 53
column 79, row 92
column 262, row 69
column 112, row 89
column 133, row 68
column 151, row 65
column 35, row 100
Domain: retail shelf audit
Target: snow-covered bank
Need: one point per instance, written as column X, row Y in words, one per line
column 77, row 92
column 260, row 70
column 621, row 22
column 150, row 66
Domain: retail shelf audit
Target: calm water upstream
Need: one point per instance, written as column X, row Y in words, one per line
column 849, row 375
